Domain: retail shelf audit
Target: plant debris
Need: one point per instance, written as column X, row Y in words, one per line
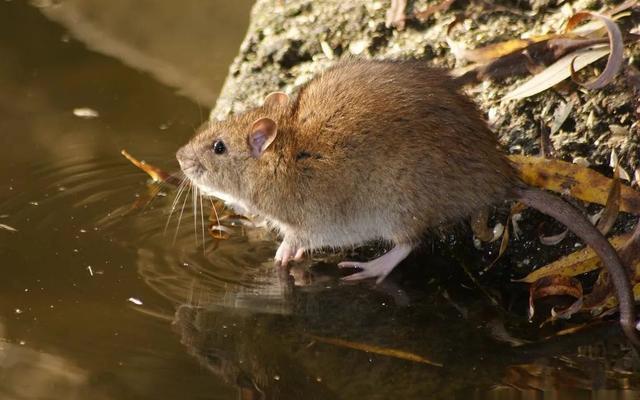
column 479, row 225
column 551, row 57
column 577, row 263
column 612, row 206
column 8, row 228
column 616, row 48
column 553, row 239
column 157, row 174
column 369, row 348
column 574, row 180
column 556, row 285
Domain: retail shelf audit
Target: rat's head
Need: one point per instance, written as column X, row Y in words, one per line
column 223, row 156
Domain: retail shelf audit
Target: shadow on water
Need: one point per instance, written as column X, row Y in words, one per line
column 102, row 299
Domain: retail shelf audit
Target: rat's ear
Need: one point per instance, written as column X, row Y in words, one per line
column 276, row 98
column 262, row 134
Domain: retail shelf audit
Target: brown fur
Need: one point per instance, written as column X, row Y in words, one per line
column 367, row 150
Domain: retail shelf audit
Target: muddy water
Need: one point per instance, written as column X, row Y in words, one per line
column 103, row 296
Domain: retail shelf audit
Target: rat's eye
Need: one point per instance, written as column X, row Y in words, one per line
column 219, row 147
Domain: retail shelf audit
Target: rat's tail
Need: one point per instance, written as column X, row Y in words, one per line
column 574, row 220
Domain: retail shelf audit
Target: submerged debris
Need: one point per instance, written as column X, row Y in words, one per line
column 369, row 348
column 8, row 228
column 85, row 112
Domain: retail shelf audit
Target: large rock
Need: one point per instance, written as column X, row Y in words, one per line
column 288, row 41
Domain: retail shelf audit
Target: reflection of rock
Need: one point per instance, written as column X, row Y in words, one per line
column 271, row 356
column 27, row 374
column 186, row 44
column 259, row 370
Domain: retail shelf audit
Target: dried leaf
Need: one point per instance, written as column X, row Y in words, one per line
column 560, row 116
column 557, row 72
column 479, row 226
column 144, row 200
column 395, row 14
column 503, row 245
column 610, row 303
column 516, row 57
column 442, row 6
column 496, row 50
column 520, row 62
column 546, row 147
column 576, row 263
column 553, row 239
column 616, row 46
column 369, row 348
column 612, row 207
column 599, row 294
column 567, row 312
column 155, row 173
column 554, row 285
column 575, row 180
column 8, row 228
column 613, row 160
column 630, row 252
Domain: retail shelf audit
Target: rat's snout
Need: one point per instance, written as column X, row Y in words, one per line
column 188, row 160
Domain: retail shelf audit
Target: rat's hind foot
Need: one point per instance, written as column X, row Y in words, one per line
column 286, row 253
column 379, row 267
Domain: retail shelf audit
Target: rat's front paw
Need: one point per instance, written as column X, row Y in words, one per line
column 287, row 252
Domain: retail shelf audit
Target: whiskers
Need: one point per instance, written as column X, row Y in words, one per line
column 186, row 188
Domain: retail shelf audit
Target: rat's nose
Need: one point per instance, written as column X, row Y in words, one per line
column 182, row 155
column 188, row 160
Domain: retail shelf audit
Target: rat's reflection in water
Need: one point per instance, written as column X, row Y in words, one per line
column 282, row 356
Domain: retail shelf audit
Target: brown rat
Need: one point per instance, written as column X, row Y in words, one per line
column 371, row 150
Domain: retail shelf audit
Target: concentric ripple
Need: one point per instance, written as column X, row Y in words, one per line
column 176, row 255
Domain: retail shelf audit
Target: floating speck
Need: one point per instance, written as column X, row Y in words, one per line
column 85, row 112
column 34, row 203
column 17, row 311
column 90, row 270
column 276, row 377
column 135, row 301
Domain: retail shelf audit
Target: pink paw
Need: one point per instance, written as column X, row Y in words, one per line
column 378, row 268
column 369, row 269
column 286, row 253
